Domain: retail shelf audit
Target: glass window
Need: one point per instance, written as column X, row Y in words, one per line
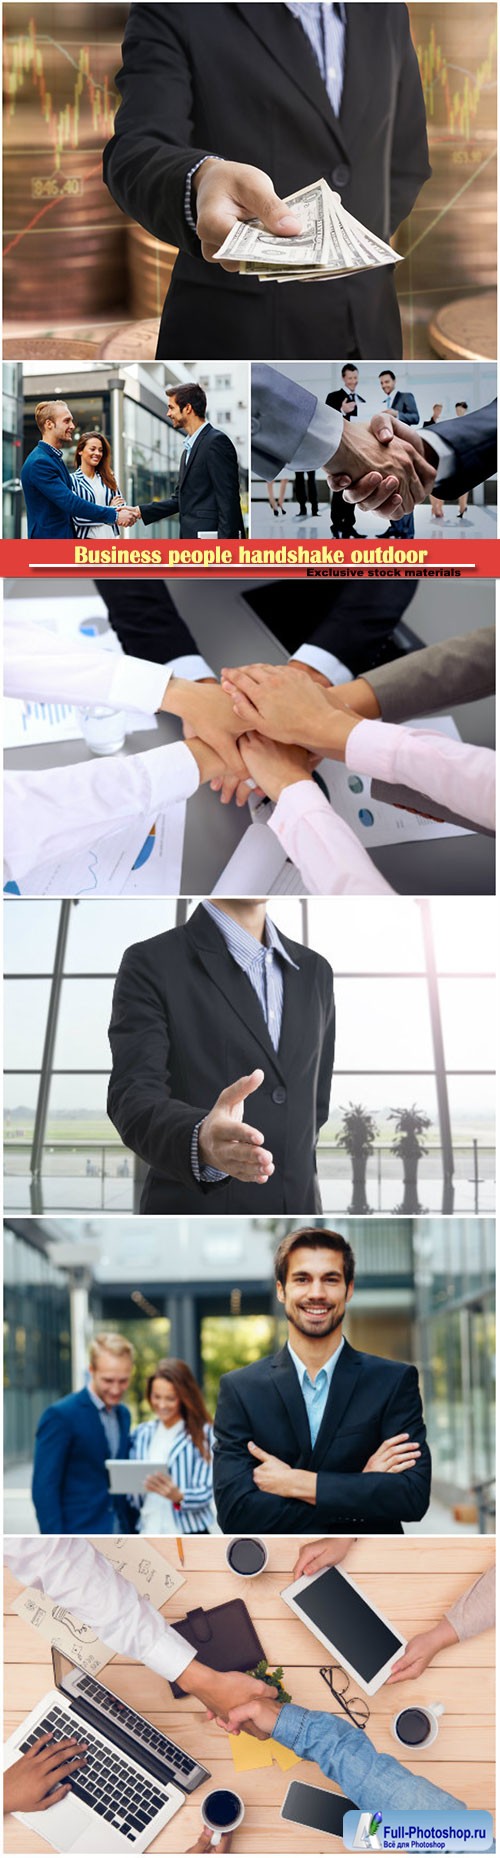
column 30, row 932
column 97, row 938
column 25, row 1004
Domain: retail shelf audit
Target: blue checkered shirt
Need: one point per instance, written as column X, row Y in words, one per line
column 262, row 962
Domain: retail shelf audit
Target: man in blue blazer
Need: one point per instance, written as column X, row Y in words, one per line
column 74, row 1438
column 51, row 502
column 319, row 1436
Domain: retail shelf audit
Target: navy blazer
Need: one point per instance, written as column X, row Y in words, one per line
column 370, row 1400
column 51, row 503
column 405, row 407
column 70, row 1486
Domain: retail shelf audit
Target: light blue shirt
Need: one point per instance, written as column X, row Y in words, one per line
column 325, row 27
column 110, row 1422
column 261, row 962
column 315, row 1393
column 192, row 437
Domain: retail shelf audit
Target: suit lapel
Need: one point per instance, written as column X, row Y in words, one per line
column 232, row 983
column 289, row 46
column 285, row 1383
column 362, row 51
column 96, row 1433
column 342, row 1386
column 195, row 452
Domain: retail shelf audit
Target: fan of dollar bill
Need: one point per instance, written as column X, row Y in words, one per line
column 331, row 243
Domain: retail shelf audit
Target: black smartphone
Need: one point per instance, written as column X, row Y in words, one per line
column 316, row 1808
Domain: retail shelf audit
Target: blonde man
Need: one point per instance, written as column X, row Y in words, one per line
column 52, row 505
column 74, row 1438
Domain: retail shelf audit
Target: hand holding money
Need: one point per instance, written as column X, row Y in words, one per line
column 377, row 475
column 230, row 193
column 330, row 243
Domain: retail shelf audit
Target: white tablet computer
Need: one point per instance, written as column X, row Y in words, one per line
column 127, row 1476
column 358, row 1635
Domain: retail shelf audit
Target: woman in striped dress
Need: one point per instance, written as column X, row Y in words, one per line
column 94, row 479
column 178, row 1500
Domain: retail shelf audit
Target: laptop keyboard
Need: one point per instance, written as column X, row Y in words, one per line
column 150, row 1739
column 107, row 1783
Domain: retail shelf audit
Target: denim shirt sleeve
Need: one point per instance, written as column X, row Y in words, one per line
column 346, row 1755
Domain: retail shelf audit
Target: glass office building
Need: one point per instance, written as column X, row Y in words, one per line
column 37, row 1343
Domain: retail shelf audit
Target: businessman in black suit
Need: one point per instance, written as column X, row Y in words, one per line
column 404, row 406
column 346, row 399
column 245, row 84
column 207, row 497
column 204, row 1017
column 319, row 1435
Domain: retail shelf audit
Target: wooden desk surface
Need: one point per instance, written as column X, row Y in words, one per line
column 411, row 1579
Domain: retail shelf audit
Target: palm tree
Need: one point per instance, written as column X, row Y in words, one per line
column 358, row 1136
column 409, row 1127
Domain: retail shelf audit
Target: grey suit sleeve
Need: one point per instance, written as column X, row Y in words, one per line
column 454, row 671
column 281, row 414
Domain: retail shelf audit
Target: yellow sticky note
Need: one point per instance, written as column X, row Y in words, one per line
column 248, row 1752
column 285, row 1757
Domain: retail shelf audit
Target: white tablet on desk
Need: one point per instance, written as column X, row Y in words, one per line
column 358, row 1635
column 127, row 1476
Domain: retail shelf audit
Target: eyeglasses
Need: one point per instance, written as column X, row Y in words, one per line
column 354, row 1707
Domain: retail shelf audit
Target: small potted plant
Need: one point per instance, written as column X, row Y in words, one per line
column 358, row 1136
column 408, row 1144
column 272, row 1677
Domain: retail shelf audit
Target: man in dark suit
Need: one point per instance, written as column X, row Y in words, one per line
column 405, row 407
column 207, row 497
column 280, row 105
column 319, row 1436
column 346, row 399
column 52, row 505
column 74, row 1438
column 204, row 1017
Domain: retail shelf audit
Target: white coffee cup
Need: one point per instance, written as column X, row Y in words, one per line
column 412, row 1741
column 250, row 1542
column 210, row 1819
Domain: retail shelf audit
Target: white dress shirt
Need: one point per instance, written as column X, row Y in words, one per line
column 327, row 852
column 40, row 667
column 53, row 813
column 76, row 1575
column 323, row 437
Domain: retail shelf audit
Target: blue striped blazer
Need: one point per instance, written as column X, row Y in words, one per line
column 82, row 485
column 192, row 1473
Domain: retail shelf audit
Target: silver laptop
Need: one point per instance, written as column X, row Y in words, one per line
column 134, row 1778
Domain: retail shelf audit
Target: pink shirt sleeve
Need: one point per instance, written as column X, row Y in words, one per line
column 458, row 774
column 329, row 856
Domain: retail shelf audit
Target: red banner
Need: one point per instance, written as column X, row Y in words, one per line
column 299, row 559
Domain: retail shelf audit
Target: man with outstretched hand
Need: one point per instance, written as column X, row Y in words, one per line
column 205, row 1018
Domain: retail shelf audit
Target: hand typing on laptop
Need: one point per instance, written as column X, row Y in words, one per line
column 42, row 1776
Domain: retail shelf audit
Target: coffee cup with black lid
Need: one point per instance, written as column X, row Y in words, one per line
column 222, row 1811
column 417, row 1725
column 246, row 1555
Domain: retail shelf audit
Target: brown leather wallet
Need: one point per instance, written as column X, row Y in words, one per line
column 223, row 1637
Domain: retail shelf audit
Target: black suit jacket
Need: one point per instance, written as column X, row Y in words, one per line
column 242, row 82
column 474, row 441
column 354, row 620
column 369, row 1400
column 207, row 494
column 185, row 1023
column 338, row 396
column 405, row 406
